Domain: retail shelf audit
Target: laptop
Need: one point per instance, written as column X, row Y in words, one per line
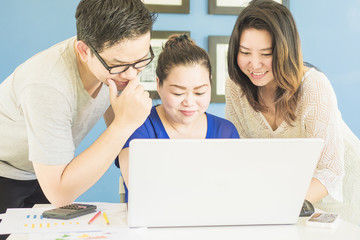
column 219, row 182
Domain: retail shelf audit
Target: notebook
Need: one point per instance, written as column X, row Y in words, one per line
column 219, row 182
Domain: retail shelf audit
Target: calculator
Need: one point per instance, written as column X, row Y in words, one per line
column 69, row 211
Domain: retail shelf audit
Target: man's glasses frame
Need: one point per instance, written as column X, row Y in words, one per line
column 127, row 66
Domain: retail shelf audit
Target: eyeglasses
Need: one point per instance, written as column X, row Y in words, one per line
column 122, row 68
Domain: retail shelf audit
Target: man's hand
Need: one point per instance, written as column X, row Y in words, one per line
column 133, row 105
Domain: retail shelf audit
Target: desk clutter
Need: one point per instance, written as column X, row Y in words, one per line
column 32, row 222
column 79, row 228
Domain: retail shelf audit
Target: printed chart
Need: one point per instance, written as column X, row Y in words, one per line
column 30, row 220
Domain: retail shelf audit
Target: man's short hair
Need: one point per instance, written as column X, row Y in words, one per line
column 103, row 23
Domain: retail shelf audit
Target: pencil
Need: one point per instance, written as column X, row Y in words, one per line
column 106, row 219
column 93, row 218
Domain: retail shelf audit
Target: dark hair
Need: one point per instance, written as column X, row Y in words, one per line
column 180, row 50
column 287, row 63
column 103, row 23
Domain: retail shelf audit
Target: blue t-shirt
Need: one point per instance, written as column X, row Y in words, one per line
column 153, row 128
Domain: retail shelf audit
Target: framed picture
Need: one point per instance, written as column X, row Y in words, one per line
column 218, row 48
column 233, row 7
column 168, row 6
column 148, row 75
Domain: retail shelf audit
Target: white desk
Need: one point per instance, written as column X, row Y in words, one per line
column 299, row 231
column 289, row 232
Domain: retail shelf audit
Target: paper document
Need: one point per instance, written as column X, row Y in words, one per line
column 120, row 233
column 30, row 220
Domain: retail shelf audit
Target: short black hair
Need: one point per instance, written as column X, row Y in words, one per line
column 103, row 23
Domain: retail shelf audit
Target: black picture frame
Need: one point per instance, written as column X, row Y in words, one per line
column 218, row 46
column 148, row 75
column 214, row 8
column 165, row 7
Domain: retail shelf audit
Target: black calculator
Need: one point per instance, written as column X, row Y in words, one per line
column 69, row 211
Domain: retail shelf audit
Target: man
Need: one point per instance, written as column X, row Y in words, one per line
column 50, row 103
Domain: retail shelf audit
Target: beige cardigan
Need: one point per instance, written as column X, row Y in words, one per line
column 318, row 116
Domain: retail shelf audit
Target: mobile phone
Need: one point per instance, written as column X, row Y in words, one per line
column 69, row 211
column 328, row 220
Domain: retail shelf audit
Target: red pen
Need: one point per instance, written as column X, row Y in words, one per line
column 93, row 218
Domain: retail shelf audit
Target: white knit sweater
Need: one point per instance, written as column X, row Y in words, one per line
column 317, row 116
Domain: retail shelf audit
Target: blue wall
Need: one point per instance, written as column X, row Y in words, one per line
column 329, row 31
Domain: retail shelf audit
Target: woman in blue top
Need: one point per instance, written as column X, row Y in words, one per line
column 184, row 86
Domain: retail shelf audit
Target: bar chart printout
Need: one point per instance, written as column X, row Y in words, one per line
column 30, row 220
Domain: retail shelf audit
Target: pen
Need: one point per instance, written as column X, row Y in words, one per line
column 106, row 219
column 93, row 218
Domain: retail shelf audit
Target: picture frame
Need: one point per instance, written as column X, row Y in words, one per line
column 168, row 6
column 148, row 75
column 233, row 7
column 218, row 47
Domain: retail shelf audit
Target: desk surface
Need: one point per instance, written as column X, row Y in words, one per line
column 298, row 231
column 294, row 232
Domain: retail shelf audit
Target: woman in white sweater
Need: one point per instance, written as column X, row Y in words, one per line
column 272, row 94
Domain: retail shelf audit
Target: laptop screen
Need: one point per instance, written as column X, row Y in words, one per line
column 210, row 182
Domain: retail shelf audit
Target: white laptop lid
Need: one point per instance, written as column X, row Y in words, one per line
column 208, row 182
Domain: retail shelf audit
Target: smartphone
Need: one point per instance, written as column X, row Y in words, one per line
column 69, row 211
column 328, row 220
